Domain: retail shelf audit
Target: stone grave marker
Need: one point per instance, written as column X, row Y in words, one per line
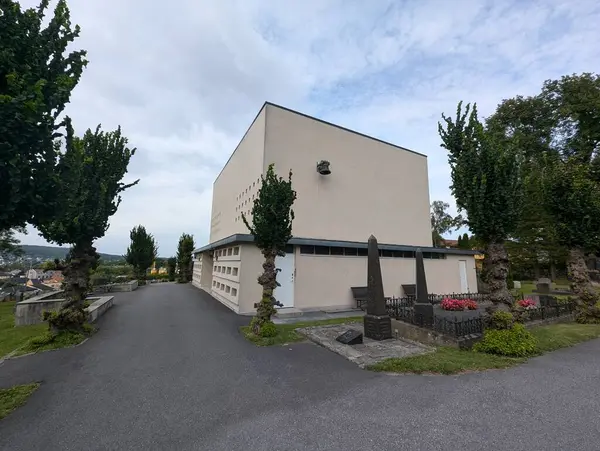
column 377, row 323
column 423, row 307
column 351, row 337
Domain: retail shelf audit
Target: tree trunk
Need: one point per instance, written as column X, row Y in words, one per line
column 552, row 271
column 81, row 260
column 268, row 281
column 495, row 266
column 588, row 308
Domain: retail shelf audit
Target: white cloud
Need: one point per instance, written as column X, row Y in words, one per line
column 185, row 80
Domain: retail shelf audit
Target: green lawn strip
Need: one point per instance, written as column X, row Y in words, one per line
column 11, row 398
column 445, row 361
column 452, row 361
column 12, row 337
column 48, row 341
column 286, row 333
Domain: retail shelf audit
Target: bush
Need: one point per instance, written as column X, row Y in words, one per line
column 268, row 330
column 514, row 342
column 501, row 320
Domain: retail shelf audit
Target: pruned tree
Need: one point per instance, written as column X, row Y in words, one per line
column 272, row 218
column 561, row 130
column 141, row 252
column 171, row 268
column 487, row 185
column 442, row 222
column 89, row 187
column 185, row 248
column 36, row 79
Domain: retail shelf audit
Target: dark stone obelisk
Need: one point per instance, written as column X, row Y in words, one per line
column 378, row 324
column 423, row 307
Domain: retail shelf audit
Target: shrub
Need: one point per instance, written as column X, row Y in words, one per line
column 268, row 329
column 514, row 342
column 501, row 320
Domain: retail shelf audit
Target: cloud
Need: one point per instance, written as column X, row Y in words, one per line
column 185, row 80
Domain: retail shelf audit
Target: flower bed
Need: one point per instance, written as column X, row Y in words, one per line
column 458, row 305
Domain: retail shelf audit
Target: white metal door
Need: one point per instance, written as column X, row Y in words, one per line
column 285, row 293
column 464, row 281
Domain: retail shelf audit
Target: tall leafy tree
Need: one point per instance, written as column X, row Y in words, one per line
column 171, row 268
column 37, row 76
column 561, row 127
column 141, row 253
column 272, row 218
column 9, row 243
column 487, row 185
column 185, row 248
column 442, row 222
column 90, row 175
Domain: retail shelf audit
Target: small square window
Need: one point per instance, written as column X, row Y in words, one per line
column 236, row 250
column 235, row 271
column 350, row 251
column 228, row 270
column 215, row 269
column 234, row 291
column 227, row 289
column 214, row 282
column 307, row 250
column 229, row 251
column 362, row 252
column 336, row 250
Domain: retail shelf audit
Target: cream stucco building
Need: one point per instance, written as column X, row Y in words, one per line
column 374, row 188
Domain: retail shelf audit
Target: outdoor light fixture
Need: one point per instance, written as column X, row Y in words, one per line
column 323, row 167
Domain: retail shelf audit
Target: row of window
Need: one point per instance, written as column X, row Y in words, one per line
column 361, row 252
column 244, row 192
column 225, row 288
column 226, row 270
column 228, row 252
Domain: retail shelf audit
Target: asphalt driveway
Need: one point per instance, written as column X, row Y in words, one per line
column 168, row 370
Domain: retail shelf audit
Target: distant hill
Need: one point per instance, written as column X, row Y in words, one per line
column 43, row 253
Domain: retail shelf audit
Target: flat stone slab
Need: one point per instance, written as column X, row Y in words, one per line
column 368, row 353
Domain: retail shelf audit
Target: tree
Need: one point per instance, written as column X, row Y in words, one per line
column 442, row 222
column 272, row 218
column 89, row 178
column 487, row 185
column 464, row 242
column 141, row 252
column 36, row 80
column 171, row 267
column 9, row 243
column 562, row 130
column 184, row 257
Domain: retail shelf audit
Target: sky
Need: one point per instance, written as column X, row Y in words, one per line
column 184, row 81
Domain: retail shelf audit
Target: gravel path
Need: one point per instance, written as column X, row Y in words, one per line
column 168, row 370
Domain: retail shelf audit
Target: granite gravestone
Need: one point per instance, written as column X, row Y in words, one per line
column 351, row 337
column 423, row 307
column 377, row 323
column 543, row 287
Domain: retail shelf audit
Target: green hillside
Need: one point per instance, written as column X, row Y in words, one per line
column 52, row 252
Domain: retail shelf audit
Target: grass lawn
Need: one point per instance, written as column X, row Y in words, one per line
column 286, row 333
column 452, row 361
column 34, row 338
column 12, row 337
column 14, row 397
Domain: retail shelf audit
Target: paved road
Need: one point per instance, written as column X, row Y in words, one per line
column 168, row 371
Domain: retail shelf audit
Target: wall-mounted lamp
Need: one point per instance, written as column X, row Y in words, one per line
column 323, row 167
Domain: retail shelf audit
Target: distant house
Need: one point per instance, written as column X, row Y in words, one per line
column 37, row 284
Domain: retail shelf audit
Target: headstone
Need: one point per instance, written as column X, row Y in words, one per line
column 351, row 337
column 517, row 285
column 423, row 307
column 543, row 287
column 377, row 323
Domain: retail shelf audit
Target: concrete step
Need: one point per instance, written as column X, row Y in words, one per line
column 288, row 312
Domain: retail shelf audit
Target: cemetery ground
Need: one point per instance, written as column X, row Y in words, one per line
column 169, row 369
column 444, row 360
